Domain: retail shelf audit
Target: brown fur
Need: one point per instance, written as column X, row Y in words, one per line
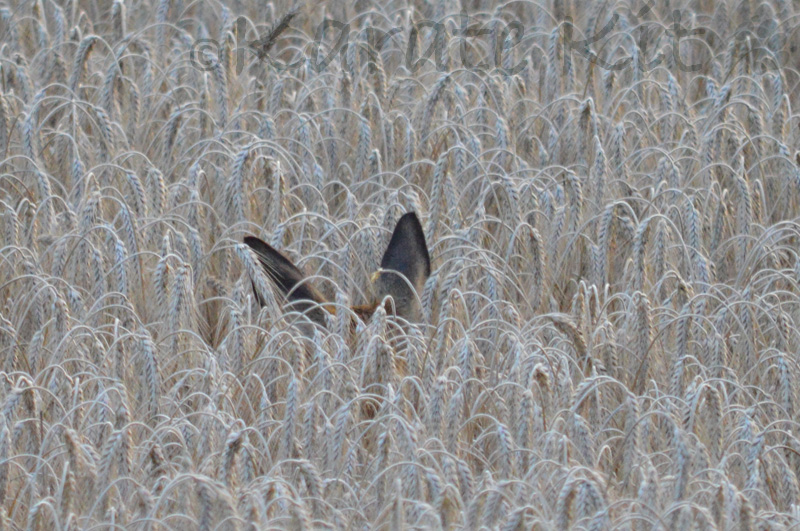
column 405, row 267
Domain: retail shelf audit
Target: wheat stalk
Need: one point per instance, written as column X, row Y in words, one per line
column 608, row 330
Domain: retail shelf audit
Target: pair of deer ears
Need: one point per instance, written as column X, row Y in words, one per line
column 406, row 254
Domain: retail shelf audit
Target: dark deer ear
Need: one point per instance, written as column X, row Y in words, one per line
column 404, row 268
column 286, row 276
column 407, row 252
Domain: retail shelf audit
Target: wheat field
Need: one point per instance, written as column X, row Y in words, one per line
column 610, row 192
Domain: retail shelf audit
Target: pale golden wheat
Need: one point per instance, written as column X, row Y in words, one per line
column 611, row 327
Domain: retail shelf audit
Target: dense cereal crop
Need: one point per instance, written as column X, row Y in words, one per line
column 610, row 192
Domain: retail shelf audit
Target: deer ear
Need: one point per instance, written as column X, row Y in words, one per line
column 286, row 276
column 404, row 268
column 407, row 252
